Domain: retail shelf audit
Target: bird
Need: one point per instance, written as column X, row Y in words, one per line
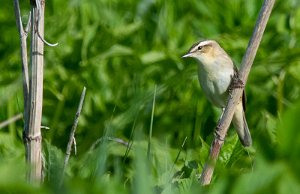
column 215, row 72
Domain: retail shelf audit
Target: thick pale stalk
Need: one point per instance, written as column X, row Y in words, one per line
column 33, row 136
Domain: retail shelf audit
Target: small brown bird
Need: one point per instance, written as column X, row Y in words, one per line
column 216, row 70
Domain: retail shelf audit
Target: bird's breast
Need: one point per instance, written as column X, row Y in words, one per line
column 215, row 83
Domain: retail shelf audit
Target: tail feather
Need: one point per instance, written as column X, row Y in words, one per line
column 241, row 126
column 246, row 140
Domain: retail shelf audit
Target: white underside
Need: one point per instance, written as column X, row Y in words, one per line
column 215, row 81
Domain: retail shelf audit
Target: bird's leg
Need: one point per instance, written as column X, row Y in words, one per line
column 217, row 133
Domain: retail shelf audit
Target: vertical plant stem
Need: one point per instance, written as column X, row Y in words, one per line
column 33, row 136
column 151, row 123
column 24, row 62
column 130, row 143
column 72, row 133
column 178, row 154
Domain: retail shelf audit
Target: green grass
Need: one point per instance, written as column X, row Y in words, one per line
column 121, row 51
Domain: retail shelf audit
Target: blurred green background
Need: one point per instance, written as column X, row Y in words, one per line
column 121, row 51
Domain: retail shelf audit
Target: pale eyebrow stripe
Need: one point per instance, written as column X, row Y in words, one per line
column 205, row 43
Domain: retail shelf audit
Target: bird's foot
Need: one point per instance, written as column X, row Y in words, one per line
column 217, row 134
column 236, row 82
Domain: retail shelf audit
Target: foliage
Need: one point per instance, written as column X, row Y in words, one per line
column 121, row 50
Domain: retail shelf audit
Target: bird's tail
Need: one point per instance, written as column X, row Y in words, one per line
column 241, row 126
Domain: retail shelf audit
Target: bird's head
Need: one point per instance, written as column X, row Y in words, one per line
column 206, row 51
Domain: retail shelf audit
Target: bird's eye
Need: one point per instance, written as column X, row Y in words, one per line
column 200, row 48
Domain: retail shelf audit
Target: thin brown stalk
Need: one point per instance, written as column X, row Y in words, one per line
column 24, row 60
column 247, row 61
column 72, row 133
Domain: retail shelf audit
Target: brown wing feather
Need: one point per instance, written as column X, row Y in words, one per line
column 244, row 98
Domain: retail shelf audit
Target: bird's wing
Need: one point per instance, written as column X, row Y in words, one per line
column 244, row 98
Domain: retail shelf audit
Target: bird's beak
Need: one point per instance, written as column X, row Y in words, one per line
column 187, row 55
